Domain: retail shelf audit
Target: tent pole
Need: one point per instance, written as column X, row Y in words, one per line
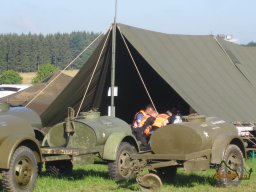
column 113, row 65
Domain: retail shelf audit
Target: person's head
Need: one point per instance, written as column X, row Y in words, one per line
column 149, row 109
column 169, row 113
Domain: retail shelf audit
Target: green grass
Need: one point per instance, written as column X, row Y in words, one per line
column 94, row 178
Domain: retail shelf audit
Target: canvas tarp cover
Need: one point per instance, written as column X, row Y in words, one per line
column 199, row 70
column 48, row 93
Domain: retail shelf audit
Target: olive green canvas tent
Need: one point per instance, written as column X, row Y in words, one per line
column 39, row 95
column 179, row 71
column 244, row 58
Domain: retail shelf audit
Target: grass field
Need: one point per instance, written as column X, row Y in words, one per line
column 94, row 178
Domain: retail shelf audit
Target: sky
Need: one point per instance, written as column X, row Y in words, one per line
column 192, row 17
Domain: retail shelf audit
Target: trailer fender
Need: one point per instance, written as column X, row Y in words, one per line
column 113, row 143
column 9, row 145
column 219, row 146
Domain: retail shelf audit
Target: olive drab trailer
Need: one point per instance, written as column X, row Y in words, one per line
column 20, row 154
column 79, row 139
column 195, row 146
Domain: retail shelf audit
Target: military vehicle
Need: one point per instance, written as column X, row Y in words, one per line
column 20, row 155
column 24, row 147
column 194, row 145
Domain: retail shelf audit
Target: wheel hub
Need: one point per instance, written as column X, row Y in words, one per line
column 23, row 171
column 125, row 162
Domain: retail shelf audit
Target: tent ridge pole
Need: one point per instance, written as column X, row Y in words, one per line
column 113, row 64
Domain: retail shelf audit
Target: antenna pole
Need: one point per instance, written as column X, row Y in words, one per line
column 113, row 64
column 115, row 12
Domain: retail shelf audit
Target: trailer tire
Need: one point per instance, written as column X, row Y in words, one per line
column 59, row 168
column 120, row 169
column 22, row 173
column 167, row 174
column 233, row 158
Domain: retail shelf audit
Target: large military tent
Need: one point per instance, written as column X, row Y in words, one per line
column 214, row 77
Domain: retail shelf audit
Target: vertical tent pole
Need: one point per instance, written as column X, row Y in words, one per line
column 113, row 64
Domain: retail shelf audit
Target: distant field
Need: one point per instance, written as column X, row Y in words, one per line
column 71, row 73
column 27, row 77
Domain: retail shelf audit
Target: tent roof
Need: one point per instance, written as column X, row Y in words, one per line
column 200, row 71
column 197, row 67
column 244, row 58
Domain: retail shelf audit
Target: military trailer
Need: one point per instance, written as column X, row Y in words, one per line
column 20, row 155
column 78, row 140
column 195, row 145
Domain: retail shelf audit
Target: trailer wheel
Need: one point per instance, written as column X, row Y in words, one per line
column 22, row 173
column 59, row 168
column 167, row 174
column 120, row 169
column 231, row 169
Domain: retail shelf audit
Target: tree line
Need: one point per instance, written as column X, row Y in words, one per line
column 26, row 52
column 251, row 44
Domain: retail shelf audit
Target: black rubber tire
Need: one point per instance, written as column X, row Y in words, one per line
column 120, row 168
column 167, row 174
column 234, row 159
column 22, row 173
column 59, row 168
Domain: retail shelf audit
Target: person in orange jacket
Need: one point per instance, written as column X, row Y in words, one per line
column 161, row 120
column 146, row 121
column 139, row 116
